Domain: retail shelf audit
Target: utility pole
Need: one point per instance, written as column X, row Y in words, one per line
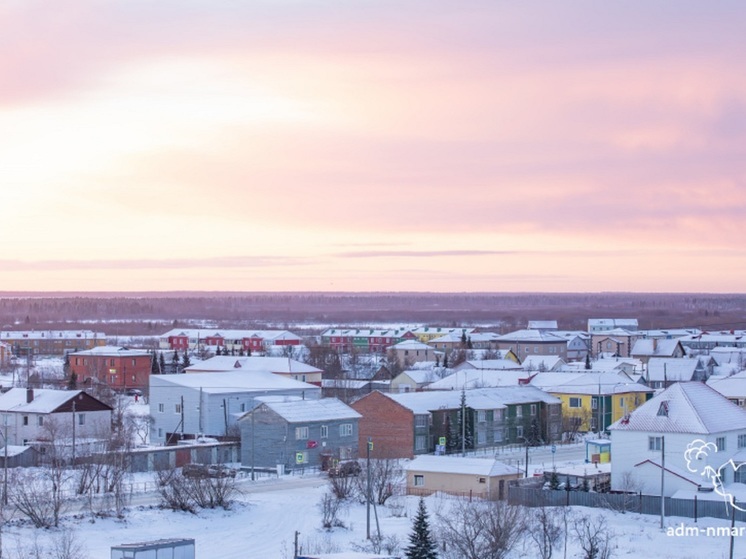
column 73, row 433
column 5, row 465
column 663, row 477
column 367, row 500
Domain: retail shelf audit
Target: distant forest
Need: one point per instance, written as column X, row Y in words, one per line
column 154, row 313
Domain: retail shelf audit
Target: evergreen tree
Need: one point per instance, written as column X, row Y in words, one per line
column 461, row 428
column 161, row 364
column 469, row 344
column 588, row 361
column 248, row 352
column 186, row 362
column 554, row 480
column 445, row 361
column 154, row 368
column 463, row 338
column 66, row 366
column 421, row 542
column 72, row 382
column 175, row 362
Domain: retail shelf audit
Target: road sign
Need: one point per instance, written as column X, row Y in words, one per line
column 370, row 445
column 554, row 448
column 299, row 457
column 442, row 441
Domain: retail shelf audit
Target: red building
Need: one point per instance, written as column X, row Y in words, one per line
column 232, row 340
column 117, row 367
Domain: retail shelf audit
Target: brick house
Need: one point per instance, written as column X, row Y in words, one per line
column 403, row 425
column 116, row 367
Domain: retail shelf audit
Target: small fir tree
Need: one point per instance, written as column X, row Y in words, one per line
column 588, row 361
column 161, row 364
column 154, row 368
column 186, row 362
column 72, row 382
column 421, row 542
column 554, row 480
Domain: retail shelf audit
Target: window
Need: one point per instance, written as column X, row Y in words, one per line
column 301, row 433
column 420, row 421
column 81, row 419
column 345, row 430
column 482, row 480
column 498, row 415
column 553, row 410
column 324, row 431
column 498, row 436
column 741, row 441
column 481, row 416
column 419, row 480
column 243, row 406
column 481, row 437
column 160, row 433
column 594, row 403
column 519, row 432
column 663, row 409
column 519, row 411
column 720, row 443
column 420, row 442
column 25, row 419
column 161, row 408
column 575, row 403
column 655, row 443
column 177, row 408
column 40, row 421
column 533, row 409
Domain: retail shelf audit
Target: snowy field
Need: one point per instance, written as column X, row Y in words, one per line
column 263, row 522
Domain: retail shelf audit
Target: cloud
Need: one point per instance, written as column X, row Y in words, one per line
column 151, row 264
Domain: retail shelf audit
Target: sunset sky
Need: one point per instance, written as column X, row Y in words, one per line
column 372, row 145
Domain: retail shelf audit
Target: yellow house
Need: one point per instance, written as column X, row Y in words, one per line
column 593, row 401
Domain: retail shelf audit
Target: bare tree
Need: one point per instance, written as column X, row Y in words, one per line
column 67, row 545
column 330, row 507
column 545, row 530
column 38, row 497
column 594, row 537
column 187, row 493
column 387, row 475
column 481, row 529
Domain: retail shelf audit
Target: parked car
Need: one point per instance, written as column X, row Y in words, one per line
column 134, row 392
column 345, row 469
column 207, row 470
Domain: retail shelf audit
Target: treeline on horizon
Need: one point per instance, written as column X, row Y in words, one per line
column 153, row 313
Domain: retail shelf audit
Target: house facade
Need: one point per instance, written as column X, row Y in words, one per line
column 118, row 368
column 210, row 404
column 281, row 366
column 482, row 478
column 298, row 433
column 364, row 340
column 533, row 342
column 235, row 341
column 688, row 430
column 34, row 416
column 51, row 342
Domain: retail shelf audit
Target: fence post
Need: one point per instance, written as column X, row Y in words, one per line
column 695, row 508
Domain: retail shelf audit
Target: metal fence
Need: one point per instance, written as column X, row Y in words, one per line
column 629, row 502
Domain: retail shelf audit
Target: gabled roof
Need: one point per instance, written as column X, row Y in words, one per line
column 590, row 383
column 112, row 351
column 233, row 382
column 658, row 348
column 225, row 363
column 297, row 410
column 477, row 399
column 671, row 369
column 547, row 362
column 494, row 364
column 44, row 400
column 461, row 465
column 691, row 407
column 412, row 344
column 531, row 336
column 471, row 378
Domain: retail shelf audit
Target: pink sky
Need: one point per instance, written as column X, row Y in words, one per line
column 372, row 145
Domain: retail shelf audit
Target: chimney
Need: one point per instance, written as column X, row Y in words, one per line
column 29, row 395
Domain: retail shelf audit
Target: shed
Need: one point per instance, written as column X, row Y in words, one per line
column 598, row 451
column 456, row 475
column 176, row 548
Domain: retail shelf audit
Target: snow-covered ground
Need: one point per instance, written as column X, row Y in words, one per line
column 264, row 521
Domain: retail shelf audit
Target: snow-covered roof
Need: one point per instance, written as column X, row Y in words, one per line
column 610, row 323
column 52, row 334
column 607, row 364
column 542, row 325
column 730, row 387
column 297, row 410
column 545, row 362
column 418, row 376
column 494, row 364
column 662, row 369
column 461, row 465
column 659, row 348
column 478, row 398
column 412, row 344
column 202, row 334
column 591, row 383
column 472, row 378
column 532, row 336
column 226, row 363
column 44, row 400
column 456, row 337
column 231, row 382
column 685, row 407
column 112, row 351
